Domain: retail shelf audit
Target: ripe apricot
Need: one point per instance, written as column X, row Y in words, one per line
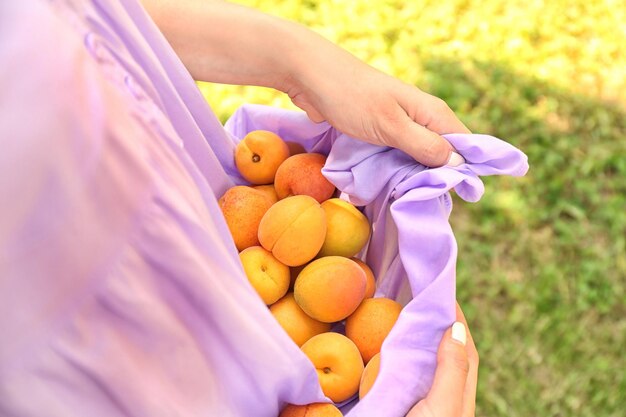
column 329, row 289
column 243, row 208
column 338, row 363
column 293, row 229
column 347, row 229
column 301, row 174
column 269, row 277
column 369, row 375
column 298, row 325
column 258, row 156
column 269, row 191
column 311, row 410
column 370, row 287
column 370, row 324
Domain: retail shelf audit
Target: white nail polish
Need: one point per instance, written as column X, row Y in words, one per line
column 458, row 332
column 455, row 159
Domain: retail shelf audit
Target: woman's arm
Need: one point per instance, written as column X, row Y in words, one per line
column 228, row 43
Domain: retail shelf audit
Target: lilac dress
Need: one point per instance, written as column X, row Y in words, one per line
column 121, row 292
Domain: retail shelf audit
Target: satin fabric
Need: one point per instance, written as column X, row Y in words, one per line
column 412, row 250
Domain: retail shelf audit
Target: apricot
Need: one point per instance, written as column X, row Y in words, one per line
column 369, row 375
column 298, row 325
column 258, row 156
column 269, row 191
column 301, row 174
column 243, row 208
column 329, row 289
column 347, row 229
column 370, row 324
column 293, row 229
column 311, row 410
column 269, row 277
column 338, row 363
column 370, row 286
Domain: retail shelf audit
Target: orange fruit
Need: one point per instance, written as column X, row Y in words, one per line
column 338, row 363
column 298, row 325
column 347, row 229
column 329, row 289
column 370, row 286
column 370, row 324
column 258, row 156
column 269, row 191
column 311, row 410
column 293, row 229
column 243, row 208
column 269, row 277
column 301, row 174
column 369, row 375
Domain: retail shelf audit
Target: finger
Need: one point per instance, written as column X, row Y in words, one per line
column 445, row 398
column 425, row 146
column 430, row 117
column 434, row 114
column 469, row 396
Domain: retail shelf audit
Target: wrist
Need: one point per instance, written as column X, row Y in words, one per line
column 295, row 53
column 313, row 66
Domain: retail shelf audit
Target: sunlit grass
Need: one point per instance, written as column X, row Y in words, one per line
column 577, row 45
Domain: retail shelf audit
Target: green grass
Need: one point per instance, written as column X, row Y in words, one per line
column 542, row 259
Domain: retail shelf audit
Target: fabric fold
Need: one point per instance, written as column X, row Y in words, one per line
column 412, row 249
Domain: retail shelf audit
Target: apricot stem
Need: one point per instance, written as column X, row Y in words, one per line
column 256, row 158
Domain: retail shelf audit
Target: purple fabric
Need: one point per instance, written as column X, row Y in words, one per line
column 121, row 292
column 412, row 250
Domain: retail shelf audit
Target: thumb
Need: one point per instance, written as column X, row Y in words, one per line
column 445, row 398
column 424, row 145
column 428, row 117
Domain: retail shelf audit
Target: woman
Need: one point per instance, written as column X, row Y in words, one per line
column 116, row 281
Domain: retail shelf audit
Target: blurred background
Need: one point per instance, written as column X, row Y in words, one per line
column 542, row 259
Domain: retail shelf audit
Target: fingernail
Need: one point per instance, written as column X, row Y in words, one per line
column 458, row 332
column 455, row 159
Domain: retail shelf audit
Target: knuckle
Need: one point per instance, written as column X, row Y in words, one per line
column 457, row 358
column 440, row 105
column 461, row 363
column 436, row 150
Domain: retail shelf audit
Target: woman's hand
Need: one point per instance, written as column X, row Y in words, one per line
column 228, row 43
column 330, row 84
column 453, row 393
